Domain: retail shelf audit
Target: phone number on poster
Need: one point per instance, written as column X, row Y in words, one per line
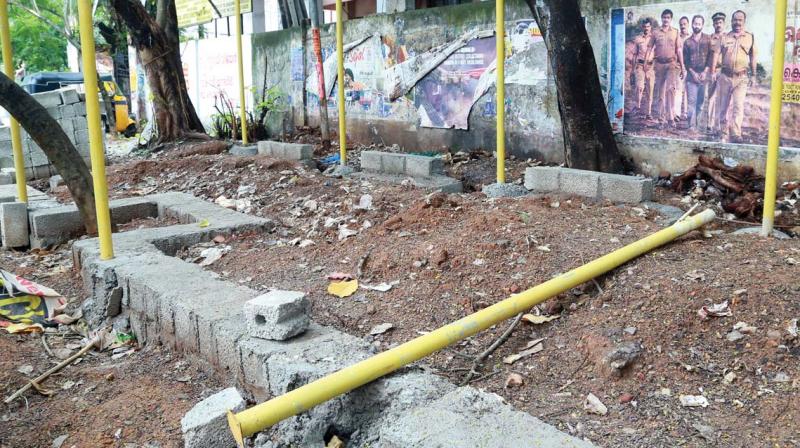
column 791, row 93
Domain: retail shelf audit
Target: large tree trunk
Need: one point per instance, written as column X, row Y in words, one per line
column 47, row 133
column 157, row 43
column 589, row 142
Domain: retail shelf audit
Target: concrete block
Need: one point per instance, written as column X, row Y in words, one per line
column 56, row 181
column 393, row 163
column 239, row 150
column 297, row 151
column 54, row 112
column 467, row 417
column 265, row 147
column 542, row 179
column 82, row 136
column 68, row 127
column 422, row 166
column 79, row 123
column 579, row 182
column 631, row 189
column 504, row 190
column 8, row 176
column 48, row 99
column 80, row 109
column 278, row 315
column 67, row 111
column 14, row 224
column 206, row 424
column 371, row 161
column 69, row 96
column 5, row 134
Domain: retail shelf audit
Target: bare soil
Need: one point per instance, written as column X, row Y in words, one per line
column 454, row 254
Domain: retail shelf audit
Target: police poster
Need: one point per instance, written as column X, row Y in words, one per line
column 701, row 70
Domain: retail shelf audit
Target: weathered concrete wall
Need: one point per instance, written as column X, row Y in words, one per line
column 68, row 108
column 532, row 121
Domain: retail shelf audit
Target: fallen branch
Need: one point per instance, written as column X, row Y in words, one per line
column 46, row 347
column 497, row 343
column 35, row 383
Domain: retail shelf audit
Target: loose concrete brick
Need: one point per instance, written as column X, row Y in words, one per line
column 393, row 163
column 278, row 315
column 542, row 179
column 371, row 161
column 631, row 189
column 206, row 424
column 48, row 99
column 69, row 96
column 579, row 182
column 298, row 151
column 422, row 166
column 14, row 224
column 270, row 149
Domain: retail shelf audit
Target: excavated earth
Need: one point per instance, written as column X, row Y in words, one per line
column 446, row 256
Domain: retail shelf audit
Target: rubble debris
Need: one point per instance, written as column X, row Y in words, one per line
column 593, row 405
column 716, row 310
column 620, row 357
column 380, row 328
column 514, row 379
column 534, row 319
column 693, row 401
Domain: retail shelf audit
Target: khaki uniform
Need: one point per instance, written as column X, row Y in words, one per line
column 644, row 73
column 695, row 57
column 629, row 83
column 668, row 71
column 735, row 53
column 712, row 122
column 680, row 91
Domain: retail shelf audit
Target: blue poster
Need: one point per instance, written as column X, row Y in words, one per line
column 616, row 71
column 298, row 65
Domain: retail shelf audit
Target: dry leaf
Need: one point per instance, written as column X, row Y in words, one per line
column 343, row 289
column 531, row 348
column 534, row 319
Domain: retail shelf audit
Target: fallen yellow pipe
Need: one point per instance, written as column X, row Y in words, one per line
column 264, row 415
column 16, row 135
column 774, row 136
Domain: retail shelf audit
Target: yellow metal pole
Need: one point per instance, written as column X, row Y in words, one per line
column 16, row 136
column 774, row 139
column 96, row 149
column 242, row 113
column 340, row 83
column 250, row 421
column 500, row 37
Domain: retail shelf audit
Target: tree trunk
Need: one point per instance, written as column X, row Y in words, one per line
column 47, row 133
column 157, row 44
column 589, row 142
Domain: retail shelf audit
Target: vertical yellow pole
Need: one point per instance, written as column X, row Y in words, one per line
column 340, row 83
column 500, row 37
column 97, row 151
column 242, row 113
column 16, row 137
column 774, row 140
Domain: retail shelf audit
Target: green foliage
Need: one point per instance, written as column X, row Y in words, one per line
column 40, row 46
column 226, row 123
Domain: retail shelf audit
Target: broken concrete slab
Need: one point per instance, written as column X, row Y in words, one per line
column 14, row 224
column 590, row 184
column 206, row 424
column 757, row 231
column 467, row 418
column 278, row 315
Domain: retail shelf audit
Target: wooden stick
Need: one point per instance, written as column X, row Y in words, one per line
column 497, row 343
column 53, row 370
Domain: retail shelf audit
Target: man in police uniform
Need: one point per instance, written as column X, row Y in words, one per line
column 715, row 39
column 668, row 68
column 737, row 57
column 680, row 91
column 643, row 71
column 695, row 54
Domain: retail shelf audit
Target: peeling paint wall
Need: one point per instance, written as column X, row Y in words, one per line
column 532, row 122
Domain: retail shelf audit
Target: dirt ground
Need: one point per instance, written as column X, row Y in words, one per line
column 447, row 256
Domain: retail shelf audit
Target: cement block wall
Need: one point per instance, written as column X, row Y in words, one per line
column 533, row 126
column 68, row 108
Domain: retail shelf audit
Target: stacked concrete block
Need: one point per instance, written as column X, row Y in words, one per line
column 590, row 184
column 14, row 224
column 278, row 315
column 68, row 108
column 287, row 151
column 206, row 424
